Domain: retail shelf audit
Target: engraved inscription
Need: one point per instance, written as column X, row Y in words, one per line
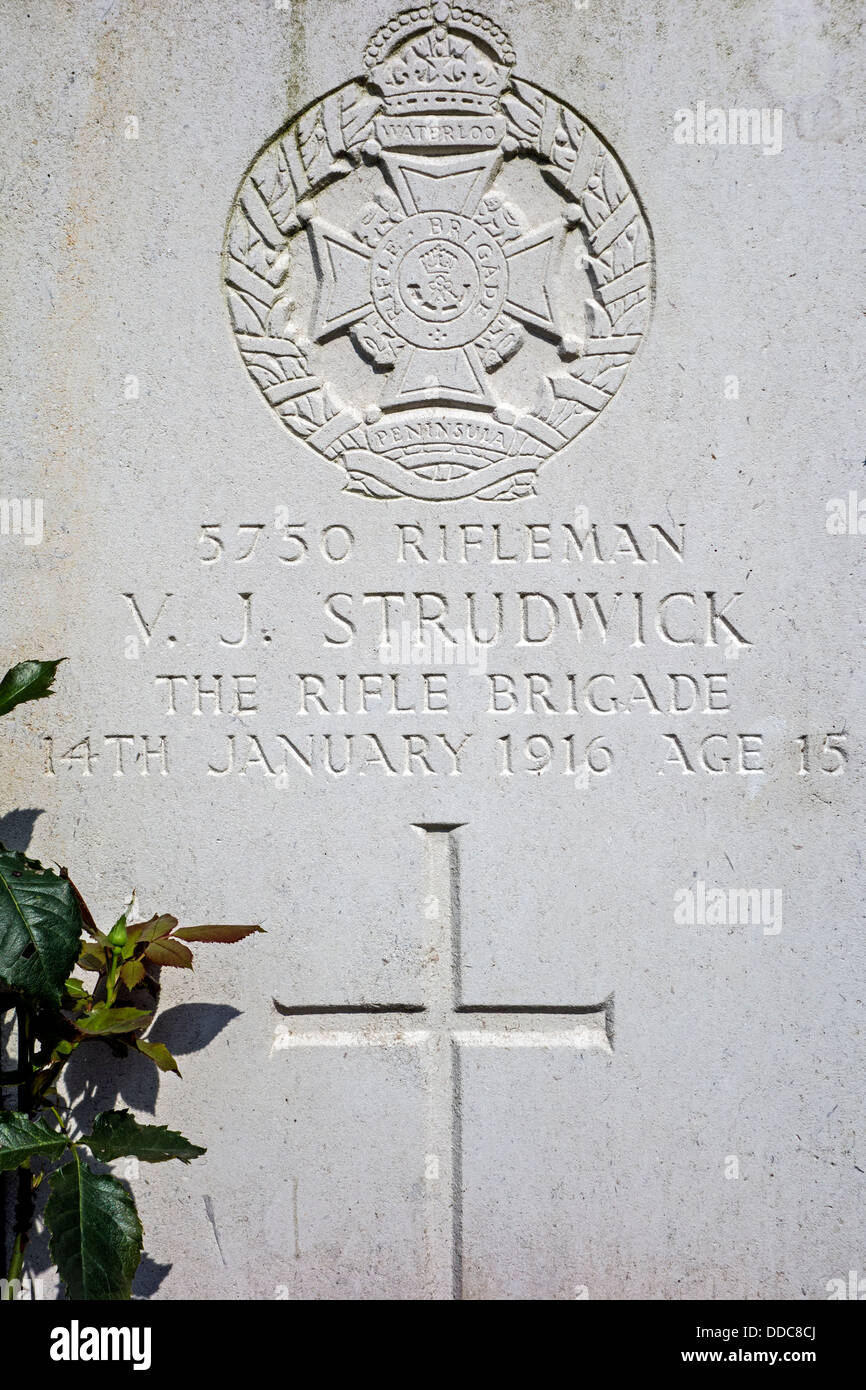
column 469, row 660
column 438, row 282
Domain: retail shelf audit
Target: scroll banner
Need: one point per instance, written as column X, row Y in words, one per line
column 365, row 464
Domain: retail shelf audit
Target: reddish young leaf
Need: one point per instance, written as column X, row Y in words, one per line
column 215, row 933
column 169, row 952
column 154, row 929
column 86, row 915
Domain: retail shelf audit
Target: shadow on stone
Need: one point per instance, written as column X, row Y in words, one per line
column 187, row 1028
column 96, row 1080
column 16, row 827
column 148, row 1277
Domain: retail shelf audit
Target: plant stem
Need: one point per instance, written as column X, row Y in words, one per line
column 29, row 1088
column 25, row 1202
column 16, row 1265
column 111, row 980
column 5, row 1080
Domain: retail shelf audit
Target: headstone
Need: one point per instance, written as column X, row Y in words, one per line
column 525, row 719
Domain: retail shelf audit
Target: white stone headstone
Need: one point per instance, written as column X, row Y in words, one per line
column 526, row 720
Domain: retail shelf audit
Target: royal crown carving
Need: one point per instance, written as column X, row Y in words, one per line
column 440, row 270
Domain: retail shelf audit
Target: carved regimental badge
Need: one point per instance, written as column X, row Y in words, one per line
column 394, row 250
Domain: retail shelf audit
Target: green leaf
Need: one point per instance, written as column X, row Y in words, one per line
column 22, row 1138
column 40, row 927
column 103, row 1020
column 215, row 933
column 92, row 958
column 132, row 973
column 158, row 1053
column 96, row 1235
column 86, row 915
column 29, row 680
column 117, row 1134
column 170, row 952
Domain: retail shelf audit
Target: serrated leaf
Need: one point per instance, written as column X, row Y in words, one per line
column 132, row 973
column 102, row 1020
column 92, row 958
column 29, row 680
column 153, row 929
column 40, row 927
column 158, row 1053
column 117, row 1134
column 215, row 933
column 22, row 1138
column 96, row 1235
column 170, row 952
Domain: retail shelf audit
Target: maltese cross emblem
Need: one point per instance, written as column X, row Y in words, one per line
column 486, row 338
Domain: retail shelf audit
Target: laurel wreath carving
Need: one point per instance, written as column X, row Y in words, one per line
column 325, row 143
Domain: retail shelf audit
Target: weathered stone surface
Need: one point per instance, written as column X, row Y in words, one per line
column 525, row 720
